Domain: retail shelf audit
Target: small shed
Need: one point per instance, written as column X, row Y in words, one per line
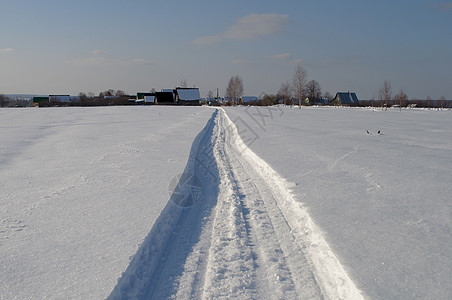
column 346, row 99
column 41, row 101
column 148, row 98
column 188, row 96
column 165, row 97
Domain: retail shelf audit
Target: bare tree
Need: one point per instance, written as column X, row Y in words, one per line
column 401, row 98
column 235, row 89
column 119, row 93
column 285, row 93
column 384, row 93
column 429, row 102
column 268, row 100
column 328, row 96
column 299, row 82
column 183, row 83
column 313, row 90
column 442, row 100
column 3, row 100
column 83, row 97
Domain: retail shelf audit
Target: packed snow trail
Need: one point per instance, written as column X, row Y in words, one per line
column 232, row 229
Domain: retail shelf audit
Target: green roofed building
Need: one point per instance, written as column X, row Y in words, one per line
column 41, row 101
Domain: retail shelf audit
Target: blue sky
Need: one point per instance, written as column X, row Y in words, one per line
column 54, row 47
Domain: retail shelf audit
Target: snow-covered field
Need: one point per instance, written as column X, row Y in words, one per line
column 169, row 202
column 384, row 202
column 80, row 189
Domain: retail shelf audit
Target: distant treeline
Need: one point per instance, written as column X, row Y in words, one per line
column 429, row 103
column 267, row 100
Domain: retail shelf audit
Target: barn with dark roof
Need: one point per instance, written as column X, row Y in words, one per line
column 346, row 99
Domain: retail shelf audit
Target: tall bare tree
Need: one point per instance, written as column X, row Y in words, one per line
column 401, row 98
column 285, row 93
column 299, row 82
column 313, row 90
column 442, row 100
column 384, row 93
column 235, row 89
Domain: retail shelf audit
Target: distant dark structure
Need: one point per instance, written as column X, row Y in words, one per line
column 187, row 96
column 178, row 96
column 146, row 98
column 345, row 99
column 165, row 97
column 60, row 98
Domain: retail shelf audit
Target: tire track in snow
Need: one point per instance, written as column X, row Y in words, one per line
column 317, row 266
column 245, row 238
column 170, row 261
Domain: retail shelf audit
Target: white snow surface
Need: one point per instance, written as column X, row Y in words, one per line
column 233, row 230
column 245, row 203
column 80, row 190
column 382, row 201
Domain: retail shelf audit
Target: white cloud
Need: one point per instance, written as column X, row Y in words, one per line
column 98, row 60
column 338, row 61
column 282, row 56
column 6, row 50
column 95, row 52
column 255, row 25
column 248, row 27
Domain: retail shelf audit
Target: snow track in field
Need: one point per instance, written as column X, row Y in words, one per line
column 233, row 230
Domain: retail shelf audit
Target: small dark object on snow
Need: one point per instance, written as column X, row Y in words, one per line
column 378, row 132
column 367, row 131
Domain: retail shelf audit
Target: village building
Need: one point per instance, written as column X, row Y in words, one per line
column 146, row 98
column 165, row 97
column 188, row 96
column 345, row 99
column 60, row 98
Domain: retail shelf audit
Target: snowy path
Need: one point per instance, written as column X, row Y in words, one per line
column 233, row 230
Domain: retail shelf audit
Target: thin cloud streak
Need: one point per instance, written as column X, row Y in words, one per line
column 338, row 60
column 282, row 56
column 6, row 50
column 95, row 60
column 248, row 27
column 96, row 52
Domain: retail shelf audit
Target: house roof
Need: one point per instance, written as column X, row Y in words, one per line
column 347, row 98
column 141, row 95
column 188, row 94
column 246, row 99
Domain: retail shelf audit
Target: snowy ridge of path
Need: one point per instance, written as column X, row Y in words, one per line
column 232, row 229
column 329, row 274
